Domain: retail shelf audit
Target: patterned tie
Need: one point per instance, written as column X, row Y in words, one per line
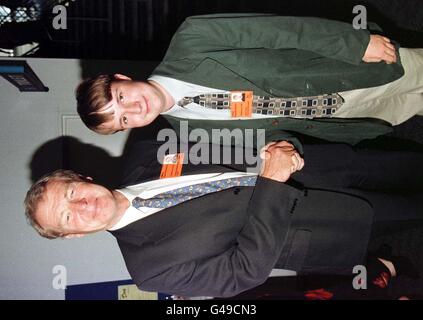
column 322, row 106
column 173, row 197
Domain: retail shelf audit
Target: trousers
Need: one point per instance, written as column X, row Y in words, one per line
column 394, row 102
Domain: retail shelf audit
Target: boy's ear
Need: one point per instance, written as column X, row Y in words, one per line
column 119, row 76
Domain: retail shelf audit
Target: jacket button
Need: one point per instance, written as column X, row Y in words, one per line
column 275, row 122
column 294, row 205
column 237, row 190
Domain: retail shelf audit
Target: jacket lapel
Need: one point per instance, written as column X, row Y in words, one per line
column 219, row 76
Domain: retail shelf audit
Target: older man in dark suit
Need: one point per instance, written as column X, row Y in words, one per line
column 218, row 230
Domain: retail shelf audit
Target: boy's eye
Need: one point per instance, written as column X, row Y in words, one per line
column 120, row 97
column 124, row 119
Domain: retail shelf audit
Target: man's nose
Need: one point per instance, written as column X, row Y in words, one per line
column 80, row 205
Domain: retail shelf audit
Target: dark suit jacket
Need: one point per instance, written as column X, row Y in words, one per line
column 278, row 56
column 226, row 242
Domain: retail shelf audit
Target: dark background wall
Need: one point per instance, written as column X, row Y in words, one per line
column 142, row 29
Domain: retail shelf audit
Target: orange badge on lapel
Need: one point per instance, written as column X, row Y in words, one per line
column 241, row 104
column 172, row 165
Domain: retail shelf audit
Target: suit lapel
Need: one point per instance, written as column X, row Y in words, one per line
column 149, row 169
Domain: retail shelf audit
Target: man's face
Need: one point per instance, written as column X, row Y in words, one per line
column 76, row 207
column 134, row 104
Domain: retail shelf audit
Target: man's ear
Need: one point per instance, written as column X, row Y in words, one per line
column 85, row 178
column 119, row 76
column 74, row 235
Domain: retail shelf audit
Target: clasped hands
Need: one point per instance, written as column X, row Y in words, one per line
column 280, row 160
column 380, row 49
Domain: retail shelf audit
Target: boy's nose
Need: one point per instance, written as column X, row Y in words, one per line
column 135, row 107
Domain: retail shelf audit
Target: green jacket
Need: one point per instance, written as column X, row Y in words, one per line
column 350, row 131
column 278, row 56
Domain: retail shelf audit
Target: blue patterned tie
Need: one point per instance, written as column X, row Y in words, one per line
column 173, row 197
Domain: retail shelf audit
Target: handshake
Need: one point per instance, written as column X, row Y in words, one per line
column 280, row 160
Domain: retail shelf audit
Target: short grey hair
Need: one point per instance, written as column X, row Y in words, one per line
column 36, row 194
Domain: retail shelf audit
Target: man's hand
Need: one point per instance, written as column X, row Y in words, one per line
column 380, row 49
column 280, row 160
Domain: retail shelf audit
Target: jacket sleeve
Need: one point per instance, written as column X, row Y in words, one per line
column 248, row 262
column 331, row 39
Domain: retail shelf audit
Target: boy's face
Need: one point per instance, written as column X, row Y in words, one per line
column 134, row 104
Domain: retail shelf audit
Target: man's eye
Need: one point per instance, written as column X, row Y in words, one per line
column 67, row 217
column 71, row 193
column 121, row 97
column 124, row 119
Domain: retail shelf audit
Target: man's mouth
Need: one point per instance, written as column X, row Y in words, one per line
column 94, row 208
column 147, row 106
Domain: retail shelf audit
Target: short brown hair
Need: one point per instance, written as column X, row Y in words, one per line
column 36, row 193
column 92, row 94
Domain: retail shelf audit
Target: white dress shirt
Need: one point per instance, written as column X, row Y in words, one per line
column 149, row 189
